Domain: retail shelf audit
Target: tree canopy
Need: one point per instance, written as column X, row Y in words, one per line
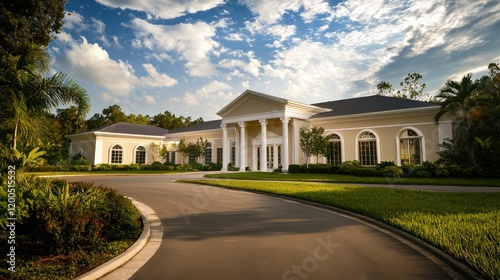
column 28, row 22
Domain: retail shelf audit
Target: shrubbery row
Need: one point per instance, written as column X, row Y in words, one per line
column 127, row 167
column 389, row 169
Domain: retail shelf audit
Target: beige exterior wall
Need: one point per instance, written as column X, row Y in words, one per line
column 97, row 148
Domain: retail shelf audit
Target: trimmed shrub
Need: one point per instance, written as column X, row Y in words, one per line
column 392, row 171
column 81, row 168
column 319, row 168
column 430, row 167
column 294, row 168
column 133, row 166
column 366, row 172
column 442, row 173
column 102, row 167
column 384, row 164
column 421, row 173
column 348, row 167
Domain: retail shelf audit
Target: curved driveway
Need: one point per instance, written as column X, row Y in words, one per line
column 215, row 233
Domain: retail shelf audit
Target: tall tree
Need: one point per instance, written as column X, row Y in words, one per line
column 385, row 88
column 26, row 92
column 459, row 98
column 28, row 22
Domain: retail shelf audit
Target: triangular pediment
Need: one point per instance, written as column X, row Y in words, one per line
column 252, row 103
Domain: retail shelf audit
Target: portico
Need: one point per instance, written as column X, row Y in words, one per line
column 262, row 133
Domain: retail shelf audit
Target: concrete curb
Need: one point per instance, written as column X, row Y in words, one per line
column 111, row 265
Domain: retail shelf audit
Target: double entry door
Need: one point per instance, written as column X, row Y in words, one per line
column 273, row 158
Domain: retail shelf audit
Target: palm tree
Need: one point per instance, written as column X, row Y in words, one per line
column 459, row 98
column 27, row 92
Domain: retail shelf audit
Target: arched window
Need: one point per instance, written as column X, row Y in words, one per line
column 140, row 155
column 334, row 150
column 208, row 153
column 117, row 154
column 410, row 147
column 367, row 148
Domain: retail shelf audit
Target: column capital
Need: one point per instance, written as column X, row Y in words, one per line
column 242, row 124
column 285, row 120
column 223, row 126
column 263, row 121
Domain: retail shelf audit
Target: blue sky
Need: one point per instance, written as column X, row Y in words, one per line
column 193, row 57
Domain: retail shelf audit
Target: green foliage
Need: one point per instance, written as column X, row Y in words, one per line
column 69, row 217
column 312, row 142
column 348, row 167
column 384, row 164
column 392, row 171
column 27, row 22
column 25, row 162
column 294, row 168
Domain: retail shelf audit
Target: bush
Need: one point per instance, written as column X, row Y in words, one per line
column 421, row 173
column 319, row 168
column 392, row 171
column 366, row 172
column 384, row 164
column 442, row 173
column 133, row 166
column 103, row 167
column 81, row 168
column 348, row 167
column 294, row 168
column 69, row 217
column 430, row 167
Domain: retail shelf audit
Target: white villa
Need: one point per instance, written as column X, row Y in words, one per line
column 261, row 132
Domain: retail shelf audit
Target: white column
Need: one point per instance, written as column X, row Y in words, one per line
column 243, row 147
column 275, row 156
column 236, row 147
column 254, row 157
column 284, row 147
column 224, row 148
column 98, row 152
column 263, row 149
column 295, row 142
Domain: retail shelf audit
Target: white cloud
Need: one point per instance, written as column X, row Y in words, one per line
column 272, row 11
column 73, row 20
column 92, row 63
column 167, row 9
column 156, row 79
column 149, row 99
column 193, row 42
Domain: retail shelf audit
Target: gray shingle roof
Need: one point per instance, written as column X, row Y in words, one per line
column 130, row 128
column 208, row 125
column 368, row 104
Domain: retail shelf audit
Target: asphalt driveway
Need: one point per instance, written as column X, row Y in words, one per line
column 215, row 233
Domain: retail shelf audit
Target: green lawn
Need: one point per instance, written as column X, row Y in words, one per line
column 465, row 225
column 341, row 178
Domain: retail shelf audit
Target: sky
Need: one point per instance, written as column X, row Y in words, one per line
column 193, row 57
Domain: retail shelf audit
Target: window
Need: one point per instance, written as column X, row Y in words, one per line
column 219, row 155
column 208, row 153
column 170, row 156
column 410, row 143
column 233, row 153
column 140, row 155
column 367, row 148
column 192, row 157
column 334, row 150
column 116, row 154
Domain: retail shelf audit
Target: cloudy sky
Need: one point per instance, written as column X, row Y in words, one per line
column 192, row 57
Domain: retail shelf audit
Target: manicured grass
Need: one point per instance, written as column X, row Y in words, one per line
column 341, row 178
column 465, row 225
